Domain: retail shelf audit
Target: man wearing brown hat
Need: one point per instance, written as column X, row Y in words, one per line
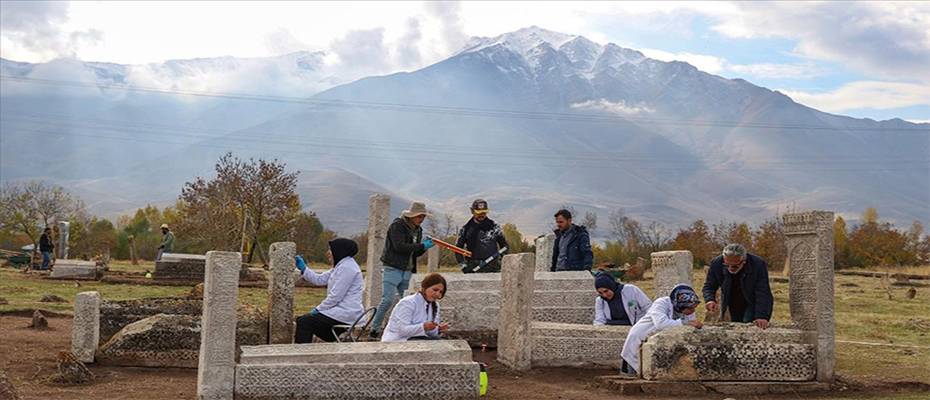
column 402, row 245
column 484, row 238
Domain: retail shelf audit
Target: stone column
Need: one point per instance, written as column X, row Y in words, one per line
column 379, row 218
column 85, row 328
column 432, row 259
column 671, row 268
column 810, row 288
column 544, row 252
column 216, row 368
column 514, row 343
column 63, row 236
column 281, row 293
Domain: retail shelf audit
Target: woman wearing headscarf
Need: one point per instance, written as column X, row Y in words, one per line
column 344, row 286
column 677, row 309
column 417, row 315
column 618, row 303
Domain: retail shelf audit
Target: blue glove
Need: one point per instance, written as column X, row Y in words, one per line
column 428, row 243
column 301, row 264
column 314, row 311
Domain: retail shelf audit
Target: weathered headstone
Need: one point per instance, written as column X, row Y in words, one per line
column 432, row 259
column 63, row 237
column 38, row 321
column 810, row 290
column 514, row 343
column 217, row 362
column 379, row 218
column 577, row 345
column 671, row 268
column 544, row 252
column 74, row 269
column 281, row 293
column 85, row 329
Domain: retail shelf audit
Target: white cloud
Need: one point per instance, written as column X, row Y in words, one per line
column 865, row 94
column 620, row 107
column 778, row 71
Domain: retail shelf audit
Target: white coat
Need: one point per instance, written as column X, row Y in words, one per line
column 660, row 316
column 635, row 302
column 408, row 317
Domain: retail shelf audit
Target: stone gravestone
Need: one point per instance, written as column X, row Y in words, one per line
column 514, row 342
column 432, row 259
column 544, row 246
column 379, row 218
column 670, row 269
column 810, row 289
column 74, row 269
column 63, row 236
column 216, row 367
column 85, row 332
column 281, row 293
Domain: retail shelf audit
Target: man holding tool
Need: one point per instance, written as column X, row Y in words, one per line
column 484, row 238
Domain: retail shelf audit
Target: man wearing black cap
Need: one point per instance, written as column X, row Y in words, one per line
column 484, row 238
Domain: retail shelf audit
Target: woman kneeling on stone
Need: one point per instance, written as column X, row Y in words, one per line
column 618, row 303
column 674, row 310
column 416, row 317
column 344, row 286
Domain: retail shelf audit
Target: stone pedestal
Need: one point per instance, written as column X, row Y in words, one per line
column 217, row 363
column 281, row 293
column 671, row 268
column 514, row 343
column 544, row 245
column 85, row 331
column 810, row 290
column 379, row 218
column 432, row 259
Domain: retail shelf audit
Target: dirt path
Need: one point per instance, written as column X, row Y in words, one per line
column 28, row 357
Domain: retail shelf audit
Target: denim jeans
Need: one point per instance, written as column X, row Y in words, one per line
column 46, row 259
column 394, row 282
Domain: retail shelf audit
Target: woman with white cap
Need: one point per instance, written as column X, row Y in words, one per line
column 402, row 245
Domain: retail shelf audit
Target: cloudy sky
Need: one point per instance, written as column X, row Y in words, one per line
column 864, row 59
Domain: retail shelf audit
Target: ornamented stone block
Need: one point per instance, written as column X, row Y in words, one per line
column 117, row 314
column 158, row 341
column 85, row 329
column 423, row 351
column 544, row 249
column 217, row 362
column 74, row 269
column 714, row 353
column 810, row 290
column 577, row 345
column 281, row 293
column 514, row 344
column 379, row 218
column 670, row 269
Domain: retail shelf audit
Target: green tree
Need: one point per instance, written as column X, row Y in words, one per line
column 768, row 242
column 697, row 239
column 515, row 239
column 841, row 254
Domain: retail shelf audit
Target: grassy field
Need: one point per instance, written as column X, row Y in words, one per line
column 863, row 314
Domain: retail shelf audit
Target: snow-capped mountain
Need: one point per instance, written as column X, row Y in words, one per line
column 531, row 120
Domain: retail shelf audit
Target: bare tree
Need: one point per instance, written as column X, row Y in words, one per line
column 29, row 207
column 656, row 237
column 590, row 221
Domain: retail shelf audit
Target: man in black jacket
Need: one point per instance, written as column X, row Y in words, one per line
column 484, row 238
column 402, row 245
column 743, row 280
column 572, row 248
column 46, row 247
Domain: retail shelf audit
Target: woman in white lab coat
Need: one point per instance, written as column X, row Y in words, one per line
column 677, row 309
column 618, row 303
column 417, row 315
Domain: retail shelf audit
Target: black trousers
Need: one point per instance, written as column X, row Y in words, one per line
column 319, row 325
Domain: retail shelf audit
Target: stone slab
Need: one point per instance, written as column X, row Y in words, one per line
column 577, row 345
column 175, row 257
column 671, row 268
column 361, row 352
column 85, row 329
column 514, row 343
column 116, row 314
column 217, row 361
column 281, row 292
column 544, row 248
column 158, row 341
column 74, row 271
column 545, row 281
column 728, row 354
column 379, row 218
column 417, row 381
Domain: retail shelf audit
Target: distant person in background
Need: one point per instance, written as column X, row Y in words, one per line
column 618, row 303
column 743, row 280
column 344, row 287
column 484, row 238
column 416, row 317
column 572, row 248
column 46, row 247
column 676, row 309
column 167, row 241
column 402, row 246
